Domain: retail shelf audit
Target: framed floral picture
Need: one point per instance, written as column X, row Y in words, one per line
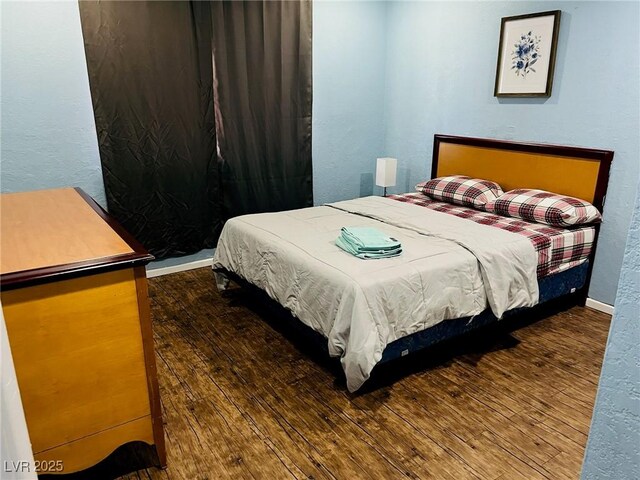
column 527, row 55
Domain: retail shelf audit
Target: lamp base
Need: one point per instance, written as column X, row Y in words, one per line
column 384, row 191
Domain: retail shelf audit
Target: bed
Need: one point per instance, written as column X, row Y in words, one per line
column 460, row 268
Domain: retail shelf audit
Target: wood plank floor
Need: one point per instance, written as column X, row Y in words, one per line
column 241, row 400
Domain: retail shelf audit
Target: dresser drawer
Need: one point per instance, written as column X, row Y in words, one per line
column 78, row 353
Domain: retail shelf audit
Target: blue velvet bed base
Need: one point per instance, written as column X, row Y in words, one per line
column 553, row 287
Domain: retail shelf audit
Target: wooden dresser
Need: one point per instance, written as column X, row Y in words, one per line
column 74, row 295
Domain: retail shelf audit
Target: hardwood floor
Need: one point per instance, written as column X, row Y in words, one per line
column 240, row 400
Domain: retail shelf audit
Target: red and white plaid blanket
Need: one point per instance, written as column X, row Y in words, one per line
column 558, row 248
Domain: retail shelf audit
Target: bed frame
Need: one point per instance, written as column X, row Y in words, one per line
column 573, row 171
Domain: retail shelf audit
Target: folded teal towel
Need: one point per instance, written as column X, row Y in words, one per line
column 366, row 254
column 368, row 243
column 369, row 238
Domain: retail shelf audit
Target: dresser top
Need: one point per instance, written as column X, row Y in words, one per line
column 49, row 233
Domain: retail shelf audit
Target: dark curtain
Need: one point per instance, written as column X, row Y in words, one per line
column 151, row 78
column 263, row 95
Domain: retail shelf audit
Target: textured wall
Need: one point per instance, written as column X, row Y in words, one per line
column 348, row 97
column 387, row 76
column 48, row 131
column 441, row 60
column 613, row 449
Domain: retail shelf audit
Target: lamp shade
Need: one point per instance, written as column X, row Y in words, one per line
column 386, row 172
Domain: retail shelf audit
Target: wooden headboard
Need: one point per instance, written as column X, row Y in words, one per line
column 574, row 171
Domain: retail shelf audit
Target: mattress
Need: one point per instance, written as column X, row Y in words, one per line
column 558, row 249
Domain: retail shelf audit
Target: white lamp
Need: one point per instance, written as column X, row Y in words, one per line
column 386, row 173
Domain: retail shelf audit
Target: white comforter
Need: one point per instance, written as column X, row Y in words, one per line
column 449, row 268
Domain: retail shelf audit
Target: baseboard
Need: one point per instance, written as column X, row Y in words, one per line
column 156, row 272
column 601, row 307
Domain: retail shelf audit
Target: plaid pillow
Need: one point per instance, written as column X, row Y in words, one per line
column 544, row 207
column 461, row 190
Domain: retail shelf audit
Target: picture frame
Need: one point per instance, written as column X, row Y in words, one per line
column 525, row 41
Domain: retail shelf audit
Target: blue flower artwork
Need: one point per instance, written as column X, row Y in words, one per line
column 526, row 52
